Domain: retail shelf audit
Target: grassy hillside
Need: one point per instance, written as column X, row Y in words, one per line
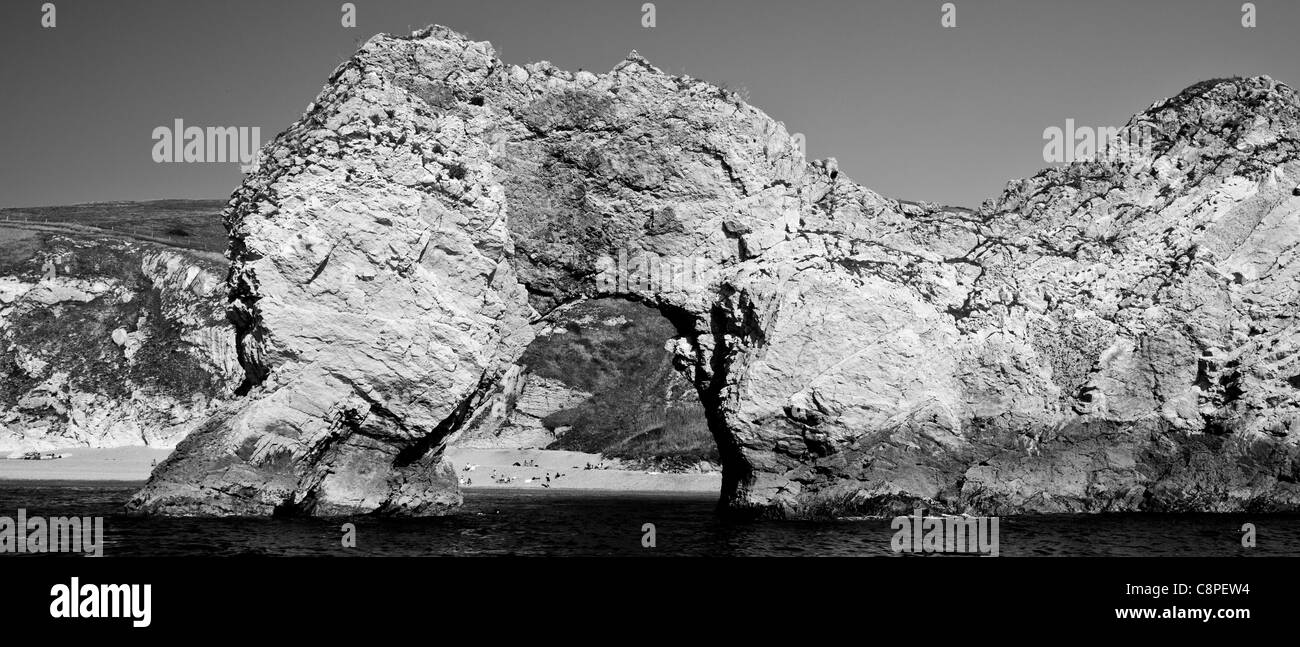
column 188, row 224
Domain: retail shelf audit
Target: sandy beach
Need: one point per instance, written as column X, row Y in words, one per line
column 534, row 468
column 85, row 464
column 475, row 468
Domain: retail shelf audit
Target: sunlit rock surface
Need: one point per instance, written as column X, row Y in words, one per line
column 1109, row 335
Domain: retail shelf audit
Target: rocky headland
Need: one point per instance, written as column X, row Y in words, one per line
column 1112, row 335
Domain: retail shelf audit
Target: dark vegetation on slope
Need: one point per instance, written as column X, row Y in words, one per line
column 642, row 408
column 76, row 337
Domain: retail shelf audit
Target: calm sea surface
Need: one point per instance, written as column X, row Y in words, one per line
column 589, row 523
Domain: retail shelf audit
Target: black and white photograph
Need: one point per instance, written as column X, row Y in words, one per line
column 387, row 312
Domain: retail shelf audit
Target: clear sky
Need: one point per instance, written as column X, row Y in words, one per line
column 909, row 108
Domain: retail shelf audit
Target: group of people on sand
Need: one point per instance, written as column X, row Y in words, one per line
column 545, row 481
column 505, row 479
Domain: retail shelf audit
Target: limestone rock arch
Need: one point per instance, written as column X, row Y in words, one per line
column 854, row 354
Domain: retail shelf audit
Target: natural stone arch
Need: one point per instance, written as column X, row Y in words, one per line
column 383, row 223
column 854, row 354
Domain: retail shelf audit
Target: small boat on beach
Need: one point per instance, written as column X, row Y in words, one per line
column 43, row 456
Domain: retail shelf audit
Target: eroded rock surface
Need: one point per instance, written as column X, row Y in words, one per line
column 1110, row 335
column 513, row 417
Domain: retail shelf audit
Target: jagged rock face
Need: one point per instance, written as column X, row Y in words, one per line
column 513, row 416
column 107, row 343
column 1115, row 335
column 1120, row 335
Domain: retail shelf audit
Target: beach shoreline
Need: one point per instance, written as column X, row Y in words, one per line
column 114, row 464
column 476, row 470
column 492, row 469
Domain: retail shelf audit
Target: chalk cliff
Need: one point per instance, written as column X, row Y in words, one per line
column 107, row 342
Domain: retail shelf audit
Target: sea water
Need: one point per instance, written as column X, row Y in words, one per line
column 564, row 523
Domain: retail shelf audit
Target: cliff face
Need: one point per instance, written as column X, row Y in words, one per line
column 107, row 343
column 513, row 416
column 1111, row 335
